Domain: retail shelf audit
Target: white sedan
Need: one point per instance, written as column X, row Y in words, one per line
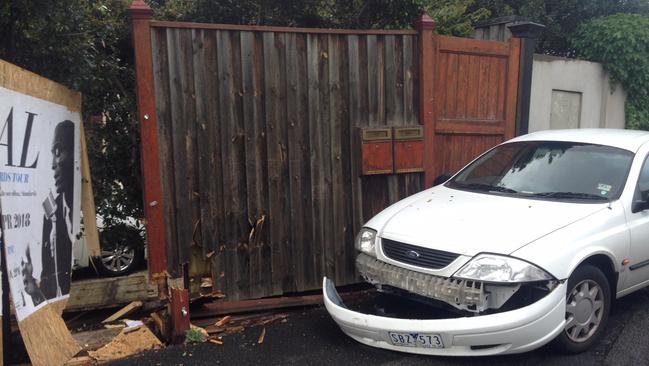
column 529, row 243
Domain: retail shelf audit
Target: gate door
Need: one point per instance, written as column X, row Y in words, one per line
column 474, row 100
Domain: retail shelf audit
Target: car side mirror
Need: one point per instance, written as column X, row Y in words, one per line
column 442, row 179
column 639, row 205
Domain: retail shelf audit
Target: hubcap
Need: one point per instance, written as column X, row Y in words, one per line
column 118, row 259
column 584, row 310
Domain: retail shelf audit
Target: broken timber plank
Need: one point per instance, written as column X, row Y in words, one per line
column 123, row 312
column 109, row 292
column 244, row 306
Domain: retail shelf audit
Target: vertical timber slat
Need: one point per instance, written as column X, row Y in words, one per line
column 255, row 156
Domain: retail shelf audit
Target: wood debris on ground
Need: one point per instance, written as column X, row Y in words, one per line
column 223, row 321
column 262, row 336
column 92, row 340
column 128, row 343
column 215, row 340
column 231, row 324
column 126, row 310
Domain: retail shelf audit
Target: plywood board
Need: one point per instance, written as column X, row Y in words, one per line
column 47, row 338
column 26, row 82
column 40, row 206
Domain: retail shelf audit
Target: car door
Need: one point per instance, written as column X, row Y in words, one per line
column 638, row 222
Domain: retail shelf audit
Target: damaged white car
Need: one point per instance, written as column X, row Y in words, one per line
column 529, row 243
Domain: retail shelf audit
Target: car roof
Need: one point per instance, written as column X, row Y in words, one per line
column 624, row 139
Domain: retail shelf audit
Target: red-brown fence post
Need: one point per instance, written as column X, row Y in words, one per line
column 425, row 25
column 153, row 203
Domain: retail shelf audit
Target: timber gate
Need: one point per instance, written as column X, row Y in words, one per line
column 472, row 99
column 252, row 140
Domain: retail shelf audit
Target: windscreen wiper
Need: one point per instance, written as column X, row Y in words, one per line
column 578, row 195
column 486, row 187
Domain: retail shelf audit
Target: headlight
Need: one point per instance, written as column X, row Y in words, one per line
column 366, row 240
column 497, row 268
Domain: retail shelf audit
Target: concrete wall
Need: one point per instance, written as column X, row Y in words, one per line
column 569, row 93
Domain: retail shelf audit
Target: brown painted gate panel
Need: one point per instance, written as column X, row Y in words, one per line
column 474, row 99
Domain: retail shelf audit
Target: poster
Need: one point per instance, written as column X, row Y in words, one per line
column 39, row 197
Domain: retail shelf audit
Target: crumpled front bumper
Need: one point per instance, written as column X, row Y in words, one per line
column 513, row 331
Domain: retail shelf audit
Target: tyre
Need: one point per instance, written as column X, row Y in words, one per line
column 121, row 251
column 588, row 302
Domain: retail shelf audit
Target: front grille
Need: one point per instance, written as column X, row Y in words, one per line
column 462, row 294
column 427, row 258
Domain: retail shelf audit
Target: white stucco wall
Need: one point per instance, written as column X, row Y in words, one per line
column 599, row 107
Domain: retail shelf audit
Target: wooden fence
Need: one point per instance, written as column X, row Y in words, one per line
column 251, row 140
column 259, row 147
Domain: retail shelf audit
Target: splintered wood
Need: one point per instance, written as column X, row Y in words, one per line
column 128, row 343
column 236, row 324
column 262, row 336
column 223, row 321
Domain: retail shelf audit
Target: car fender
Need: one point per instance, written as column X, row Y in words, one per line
column 590, row 252
column 560, row 252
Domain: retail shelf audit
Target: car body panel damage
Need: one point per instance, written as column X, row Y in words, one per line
column 508, row 332
column 466, row 295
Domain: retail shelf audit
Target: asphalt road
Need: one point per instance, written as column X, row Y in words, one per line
column 310, row 337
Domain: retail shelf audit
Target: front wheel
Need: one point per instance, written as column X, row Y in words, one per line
column 588, row 302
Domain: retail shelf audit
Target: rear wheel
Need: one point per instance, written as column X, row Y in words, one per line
column 588, row 302
column 122, row 250
column 119, row 260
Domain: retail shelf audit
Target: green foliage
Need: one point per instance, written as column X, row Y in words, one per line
column 86, row 46
column 561, row 17
column 452, row 16
column 193, row 336
column 621, row 43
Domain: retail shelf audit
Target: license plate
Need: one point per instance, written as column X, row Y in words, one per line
column 422, row 340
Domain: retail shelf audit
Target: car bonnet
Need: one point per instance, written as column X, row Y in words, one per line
column 469, row 223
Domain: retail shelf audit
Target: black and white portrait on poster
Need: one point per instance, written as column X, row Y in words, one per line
column 39, row 197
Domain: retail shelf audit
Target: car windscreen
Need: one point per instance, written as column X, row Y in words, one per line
column 552, row 170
